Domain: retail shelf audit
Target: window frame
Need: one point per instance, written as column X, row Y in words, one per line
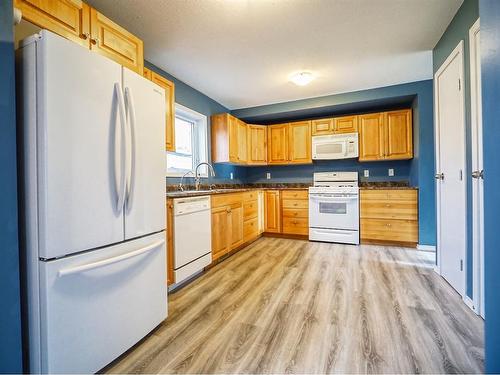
column 199, row 136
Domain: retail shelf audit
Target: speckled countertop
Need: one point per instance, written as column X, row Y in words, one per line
column 384, row 185
column 174, row 192
column 189, row 190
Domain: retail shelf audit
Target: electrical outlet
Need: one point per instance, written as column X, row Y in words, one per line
column 231, row 175
column 268, row 175
column 366, row 173
column 390, row 172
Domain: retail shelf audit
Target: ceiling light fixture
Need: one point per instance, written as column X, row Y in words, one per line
column 302, row 78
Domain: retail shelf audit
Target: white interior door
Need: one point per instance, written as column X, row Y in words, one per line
column 450, row 168
column 477, row 168
column 77, row 121
column 145, row 210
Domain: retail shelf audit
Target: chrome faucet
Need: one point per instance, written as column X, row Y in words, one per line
column 197, row 176
column 181, row 185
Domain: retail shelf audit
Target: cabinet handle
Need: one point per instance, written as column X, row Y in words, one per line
column 389, row 225
column 388, row 205
column 85, row 36
column 94, row 41
column 295, row 222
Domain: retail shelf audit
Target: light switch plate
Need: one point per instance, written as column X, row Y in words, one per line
column 366, row 173
column 390, row 172
column 231, row 175
column 268, row 175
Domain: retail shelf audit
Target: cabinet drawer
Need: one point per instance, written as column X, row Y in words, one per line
column 296, row 212
column 250, row 229
column 250, row 209
column 295, row 194
column 389, row 230
column 385, row 209
column 220, row 200
column 295, row 203
column 295, row 225
column 389, row 194
column 250, row 195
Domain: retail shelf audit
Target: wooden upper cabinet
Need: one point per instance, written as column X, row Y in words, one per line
column 371, row 137
column 147, row 73
column 116, row 43
column 345, row 124
column 229, row 139
column 322, row 126
column 257, row 144
column 272, row 211
column 299, row 142
column 398, row 135
column 170, row 107
column 241, row 141
column 68, row 18
column 277, row 144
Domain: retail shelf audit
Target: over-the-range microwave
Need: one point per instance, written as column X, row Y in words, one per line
column 338, row 146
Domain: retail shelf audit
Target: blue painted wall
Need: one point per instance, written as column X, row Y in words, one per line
column 419, row 171
column 199, row 102
column 458, row 30
column 490, row 66
column 10, row 313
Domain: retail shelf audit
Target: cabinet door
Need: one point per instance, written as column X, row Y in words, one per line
column 257, row 144
column 277, row 144
column 345, row 124
column 299, row 142
column 242, row 141
column 170, row 111
column 272, row 211
column 234, row 150
column 221, row 231
column 116, row 43
column 398, row 135
column 68, row 18
column 236, row 218
column 322, row 126
column 371, row 137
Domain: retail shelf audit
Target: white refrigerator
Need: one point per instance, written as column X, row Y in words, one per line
column 92, row 182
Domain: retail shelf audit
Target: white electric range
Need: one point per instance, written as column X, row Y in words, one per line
column 334, row 207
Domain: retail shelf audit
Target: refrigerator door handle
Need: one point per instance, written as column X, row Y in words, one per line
column 131, row 147
column 120, row 149
column 105, row 262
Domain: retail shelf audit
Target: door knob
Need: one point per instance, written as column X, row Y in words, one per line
column 439, row 176
column 478, row 174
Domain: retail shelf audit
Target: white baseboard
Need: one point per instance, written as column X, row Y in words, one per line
column 426, row 247
column 469, row 303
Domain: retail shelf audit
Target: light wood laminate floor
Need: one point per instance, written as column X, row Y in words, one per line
column 292, row 306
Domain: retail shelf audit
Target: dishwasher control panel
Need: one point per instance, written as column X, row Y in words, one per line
column 184, row 206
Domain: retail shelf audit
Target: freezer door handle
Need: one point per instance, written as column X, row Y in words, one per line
column 120, row 149
column 131, row 147
column 105, row 262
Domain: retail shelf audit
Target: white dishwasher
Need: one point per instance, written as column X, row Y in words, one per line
column 192, row 236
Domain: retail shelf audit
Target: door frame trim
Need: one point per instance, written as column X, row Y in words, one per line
column 458, row 50
column 477, row 211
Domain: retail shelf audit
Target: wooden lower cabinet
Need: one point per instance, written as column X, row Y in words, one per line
column 286, row 212
column 170, row 242
column 220, row 232
column 272, row 208
column 234, row 221
column 389, row 216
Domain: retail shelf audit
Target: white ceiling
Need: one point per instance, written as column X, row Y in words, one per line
column 241, row 52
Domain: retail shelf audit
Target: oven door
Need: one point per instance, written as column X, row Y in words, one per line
column 334, row 211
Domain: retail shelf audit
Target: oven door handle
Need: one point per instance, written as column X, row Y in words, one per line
column 333, row 199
